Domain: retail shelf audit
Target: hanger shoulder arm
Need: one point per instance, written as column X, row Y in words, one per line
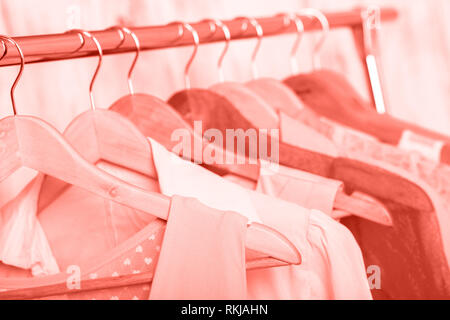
column 152, row 116
column 380, row 183
column 9, row 148
column 279, row 96
column 370, row 210
column 45, row 150
column 117, row 140
column 249, row 104
column 304, row 159
column 256, row 232
column 85, row 285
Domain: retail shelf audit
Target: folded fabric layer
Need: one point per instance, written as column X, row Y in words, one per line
column 332, row 265
column 414, row 254
column 203, row 254
column 23, row 243
column 300, row 187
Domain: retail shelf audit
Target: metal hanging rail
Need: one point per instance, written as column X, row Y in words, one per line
column 63, row 46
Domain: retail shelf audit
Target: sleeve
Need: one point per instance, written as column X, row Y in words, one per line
column 337, row 259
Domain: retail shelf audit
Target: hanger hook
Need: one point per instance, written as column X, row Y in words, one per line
column 212, row 27
column 84, row 34
column 195, row 37
column 22, row 66
column 260, row 34
column 121, row 35
column 227, row 35
column 300, row 30
column 5, row 50
column 136, row 57
column 314, row 13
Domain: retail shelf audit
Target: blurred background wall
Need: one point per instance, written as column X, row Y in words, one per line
column 414, row 54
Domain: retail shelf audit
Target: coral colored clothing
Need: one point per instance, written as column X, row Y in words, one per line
column 203, row 254
column 414, row 254
column 434, row 177
column 23, row 243
column 332, row 266
column 137, row 254
column 300, row 187
column 106, row 239
column 94, row 238
column 202, row 257
column 355, row 144
column 78, row 226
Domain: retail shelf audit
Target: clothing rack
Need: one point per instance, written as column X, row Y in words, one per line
column 63, row 46
column 51, row 47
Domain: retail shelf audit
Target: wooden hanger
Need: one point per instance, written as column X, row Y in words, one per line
column 256, row 108
column 33, row 143
column 222, row 117
column 217, row 112
column 336, row 83
column 245, row 100
column 324, row 100
column 326, row 91
column 110, row 136
column 282, row 99
column 273, row 91
column 158, row 120
column 102, row 135
column 373, row 211
column 255, row 262
column 278, row 95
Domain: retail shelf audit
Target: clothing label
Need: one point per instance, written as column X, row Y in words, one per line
column 425, row 146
